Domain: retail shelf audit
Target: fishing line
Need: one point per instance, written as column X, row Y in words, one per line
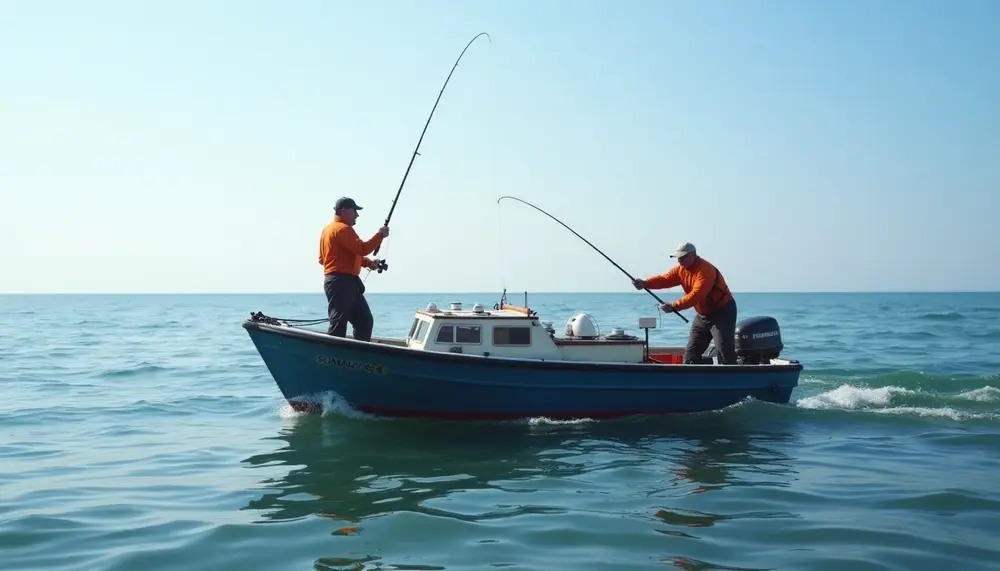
column 416, row 150
column 368, row 271
column 592, row 246
column 500, row 244
column 493, row 168
column 424, row 131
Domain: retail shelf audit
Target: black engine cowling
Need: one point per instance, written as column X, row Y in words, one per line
column 758, row 340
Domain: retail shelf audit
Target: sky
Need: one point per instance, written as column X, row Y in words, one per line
column 199, row 147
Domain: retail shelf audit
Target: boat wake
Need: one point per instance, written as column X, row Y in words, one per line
column 543, row 421
column 980, row 403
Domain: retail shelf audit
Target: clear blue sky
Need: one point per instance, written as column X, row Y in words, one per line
column 193, row 146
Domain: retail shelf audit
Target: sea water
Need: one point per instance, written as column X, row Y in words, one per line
column 144, row 432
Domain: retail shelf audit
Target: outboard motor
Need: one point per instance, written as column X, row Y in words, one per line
column 758, row 340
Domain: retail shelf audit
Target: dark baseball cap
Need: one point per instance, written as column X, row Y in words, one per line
column 345, row 202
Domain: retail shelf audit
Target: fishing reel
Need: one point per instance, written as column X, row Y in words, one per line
column 381, row 266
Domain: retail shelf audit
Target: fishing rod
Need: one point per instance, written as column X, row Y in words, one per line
column 427, row 124
column 525, row 202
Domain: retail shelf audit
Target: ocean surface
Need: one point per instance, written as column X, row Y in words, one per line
column 144, row 432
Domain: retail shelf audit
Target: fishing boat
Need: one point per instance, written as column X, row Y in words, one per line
column 504, row 363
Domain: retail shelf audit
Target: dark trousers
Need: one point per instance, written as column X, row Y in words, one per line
column 346, row 303
column 720, row 327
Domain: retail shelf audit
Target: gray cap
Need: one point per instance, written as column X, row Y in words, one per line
column 683, row 249
column 345, row 202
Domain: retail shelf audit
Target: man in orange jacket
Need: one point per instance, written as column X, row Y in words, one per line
column 707, row 292
column 342, row 254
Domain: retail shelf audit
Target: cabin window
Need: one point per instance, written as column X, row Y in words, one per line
column 468, row 334
column 446, row 334
column 413, row 328
column 511, row 336
column 421, row 332
column 462, row 334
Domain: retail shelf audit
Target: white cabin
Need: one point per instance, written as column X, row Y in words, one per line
column 513, row 331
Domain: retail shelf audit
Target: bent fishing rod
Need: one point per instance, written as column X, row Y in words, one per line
column 525, row 202
column 427, row 124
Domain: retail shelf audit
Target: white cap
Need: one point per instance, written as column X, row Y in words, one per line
column 684, row 248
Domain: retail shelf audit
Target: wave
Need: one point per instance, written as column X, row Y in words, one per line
column 942, row 316
column 990, row 334
column 905, row 378
column 142, row 368
column 984, row 394
column 958, row 405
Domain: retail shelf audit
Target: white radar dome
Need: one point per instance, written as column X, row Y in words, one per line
column 581, row 325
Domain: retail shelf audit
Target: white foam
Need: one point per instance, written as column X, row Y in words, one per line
column 985, row 394
column 541, row 420
column 334, row 404
column 330, row 403
column 286, row 412
column 944, row 412
column 879, row 400
column 851, row 397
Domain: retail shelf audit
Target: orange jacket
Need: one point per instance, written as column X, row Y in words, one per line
column 341, row 251
column 697, row 282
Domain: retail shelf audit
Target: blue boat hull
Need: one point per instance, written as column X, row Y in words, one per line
column 395, row 381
